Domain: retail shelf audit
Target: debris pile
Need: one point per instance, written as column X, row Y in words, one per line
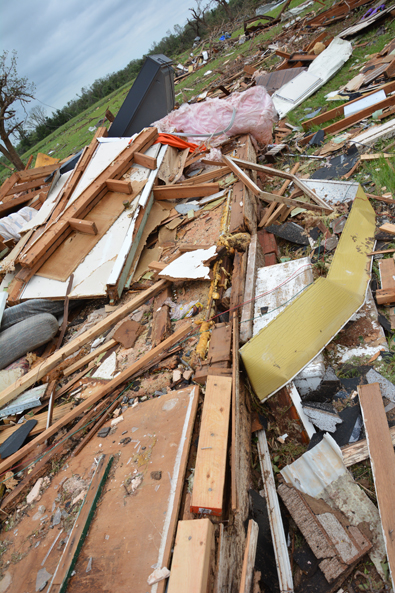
column 197, row 357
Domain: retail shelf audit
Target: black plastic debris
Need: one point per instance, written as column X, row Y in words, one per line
column 17, row 439
column 339, row 165
column 289, row 231
column 317, row 139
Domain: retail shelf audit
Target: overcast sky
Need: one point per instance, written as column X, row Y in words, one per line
column 64, row 45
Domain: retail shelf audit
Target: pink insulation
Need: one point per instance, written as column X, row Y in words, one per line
column 255, row 114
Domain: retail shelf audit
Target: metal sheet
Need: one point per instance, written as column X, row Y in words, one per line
column 350, row 109
column 27, row 400
column 288, row 343
column 333, row 191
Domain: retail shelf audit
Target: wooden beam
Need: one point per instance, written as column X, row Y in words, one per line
column 37, row 373
column 178, row 192
column 86, row 201
column 91, row 356
column 145, row 161
column 247, row 573
column 87, row 227
column 209, row 480
column 204, row 177
column 101, row 392
column 8, row 185
column 121, row 186
column 25, row 186
column 382, row 456
column 190, row 568
column 31, row 174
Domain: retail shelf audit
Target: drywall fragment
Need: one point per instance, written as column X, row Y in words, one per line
column 107, row 369
column 322, row 415
column 42, row 579
column 116, row 421
column 190, row 265
column 287, row 345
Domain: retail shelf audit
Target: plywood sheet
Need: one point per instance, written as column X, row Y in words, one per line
column 287, row 344
column 77, row 245
column 131, row 533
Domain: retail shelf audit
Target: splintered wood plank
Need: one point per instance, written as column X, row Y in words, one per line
column 387, row 276
column 177, row 192
column 247, row 312
column 382, row 458
column 91, row 356
column 190, row 568
column 161, row 325
column 220, row 343
column 357, row 452
column 209, row 481
column 247, row 573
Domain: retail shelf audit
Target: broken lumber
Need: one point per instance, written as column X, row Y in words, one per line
column 382, row 456
column 146, row 360
column 247, row 312
column 190, row 568
column 178, row 192
column 91, row 356
column 145, row 161
column 161, row 325
column 386, row 294
column 121, row 186
column 209, row 480
column 83, row 226
column 357, row 452
column 334, row 542
column 37, row 373
column 247, row 572
column 284, row 571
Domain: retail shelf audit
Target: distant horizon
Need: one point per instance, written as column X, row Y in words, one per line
column 63, row 49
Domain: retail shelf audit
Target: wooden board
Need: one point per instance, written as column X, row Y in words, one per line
column 76, row 247
column 177, row 192
column 121, row 186
column 357, row 452
column 247, row 312
column 161, row 325
column 220, row 344
column 190, row 568
column 172, row 165
column 128, row 333
column 382, row 457
column 247, row 573
column 83, row 226
column 129, row 533
column 388, row 227
column 209, row 480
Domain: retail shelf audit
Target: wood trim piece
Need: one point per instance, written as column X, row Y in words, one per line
column 276, row 524
column 37, row 373
column 209, row 480
column 190, row 568
column 83, row 226
column 145, row 161
column 357, row 452
column 178, row 192
column 247, row 312
column 382, row 457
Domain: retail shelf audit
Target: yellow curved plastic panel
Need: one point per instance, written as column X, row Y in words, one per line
column 288, row 343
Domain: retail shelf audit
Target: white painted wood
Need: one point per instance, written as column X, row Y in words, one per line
column 276, row 524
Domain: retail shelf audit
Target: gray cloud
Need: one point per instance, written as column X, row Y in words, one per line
column 64, row 46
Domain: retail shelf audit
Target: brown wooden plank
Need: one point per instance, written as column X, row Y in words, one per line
column 31, row 174
column 247, row 312
column 88, row 198
column 208, row 176
column 209, row 480
column 382, row 458
column 385, row 296
column 161, row 325
column 220, row 344
column 247, row 572
column 145, row 161
column 178, row 192
column 387, row 273
column 26, row 186
column 190, row 568
column 83, row 226
column 388, row 228
column 37, row 373
column 121, row 186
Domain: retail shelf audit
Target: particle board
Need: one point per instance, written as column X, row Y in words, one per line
column 209, row 480
column 382, row 458
column 190, row 568
column 76, row 247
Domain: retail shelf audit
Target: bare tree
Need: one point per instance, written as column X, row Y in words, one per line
column 37, row 117
column 14, row 90
column 225, row 6
column 199, row 17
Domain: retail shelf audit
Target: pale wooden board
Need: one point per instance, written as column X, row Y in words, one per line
column 190, row 568
column 382, row 458
column 249, row 557
column 128, row 534
column 387, row 273
column 77, row 246
column 209, row 480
